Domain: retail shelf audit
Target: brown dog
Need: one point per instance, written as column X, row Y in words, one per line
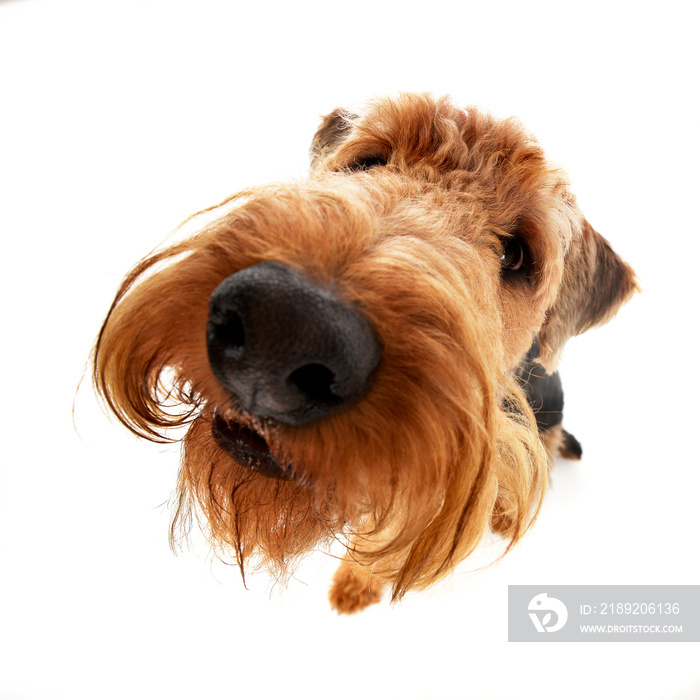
column 360, row 356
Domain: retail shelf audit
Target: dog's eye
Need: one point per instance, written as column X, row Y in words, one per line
column 515, row 256
column 368, row 162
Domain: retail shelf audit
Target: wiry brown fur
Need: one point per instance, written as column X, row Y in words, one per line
column 444, row 444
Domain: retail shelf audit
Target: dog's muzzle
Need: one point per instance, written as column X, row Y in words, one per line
column 286, row 348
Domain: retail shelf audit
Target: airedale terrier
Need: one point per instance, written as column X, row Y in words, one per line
column 369, row 355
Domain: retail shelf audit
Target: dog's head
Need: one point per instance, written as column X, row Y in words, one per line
column 342, row 351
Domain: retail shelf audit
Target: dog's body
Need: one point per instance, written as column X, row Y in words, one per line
column 360, row 356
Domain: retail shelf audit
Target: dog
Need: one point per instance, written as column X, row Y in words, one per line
column 369, row 355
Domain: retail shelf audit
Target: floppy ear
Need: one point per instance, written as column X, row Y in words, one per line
column 333, row 129
column 596, row 283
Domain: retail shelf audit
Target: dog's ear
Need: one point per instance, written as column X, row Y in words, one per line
column 333, row 129
column 596, row 283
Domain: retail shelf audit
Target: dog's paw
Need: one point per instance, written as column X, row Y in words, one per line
column 353, row 589
column 570, row 447
column 558, row 441
column 503, row 524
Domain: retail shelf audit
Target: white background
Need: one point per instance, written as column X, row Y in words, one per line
column 117, row 120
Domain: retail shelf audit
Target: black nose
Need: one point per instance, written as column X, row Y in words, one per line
column 286, row 348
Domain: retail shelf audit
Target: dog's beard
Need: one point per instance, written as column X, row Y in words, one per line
column 337, row 483
column 263, row 513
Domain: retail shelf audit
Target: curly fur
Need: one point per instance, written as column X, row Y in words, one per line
column 444, row 445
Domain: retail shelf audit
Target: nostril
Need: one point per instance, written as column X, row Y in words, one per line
column 230, row 333
column 314, row 381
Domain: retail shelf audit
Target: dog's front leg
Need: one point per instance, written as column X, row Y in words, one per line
column 355, row 586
